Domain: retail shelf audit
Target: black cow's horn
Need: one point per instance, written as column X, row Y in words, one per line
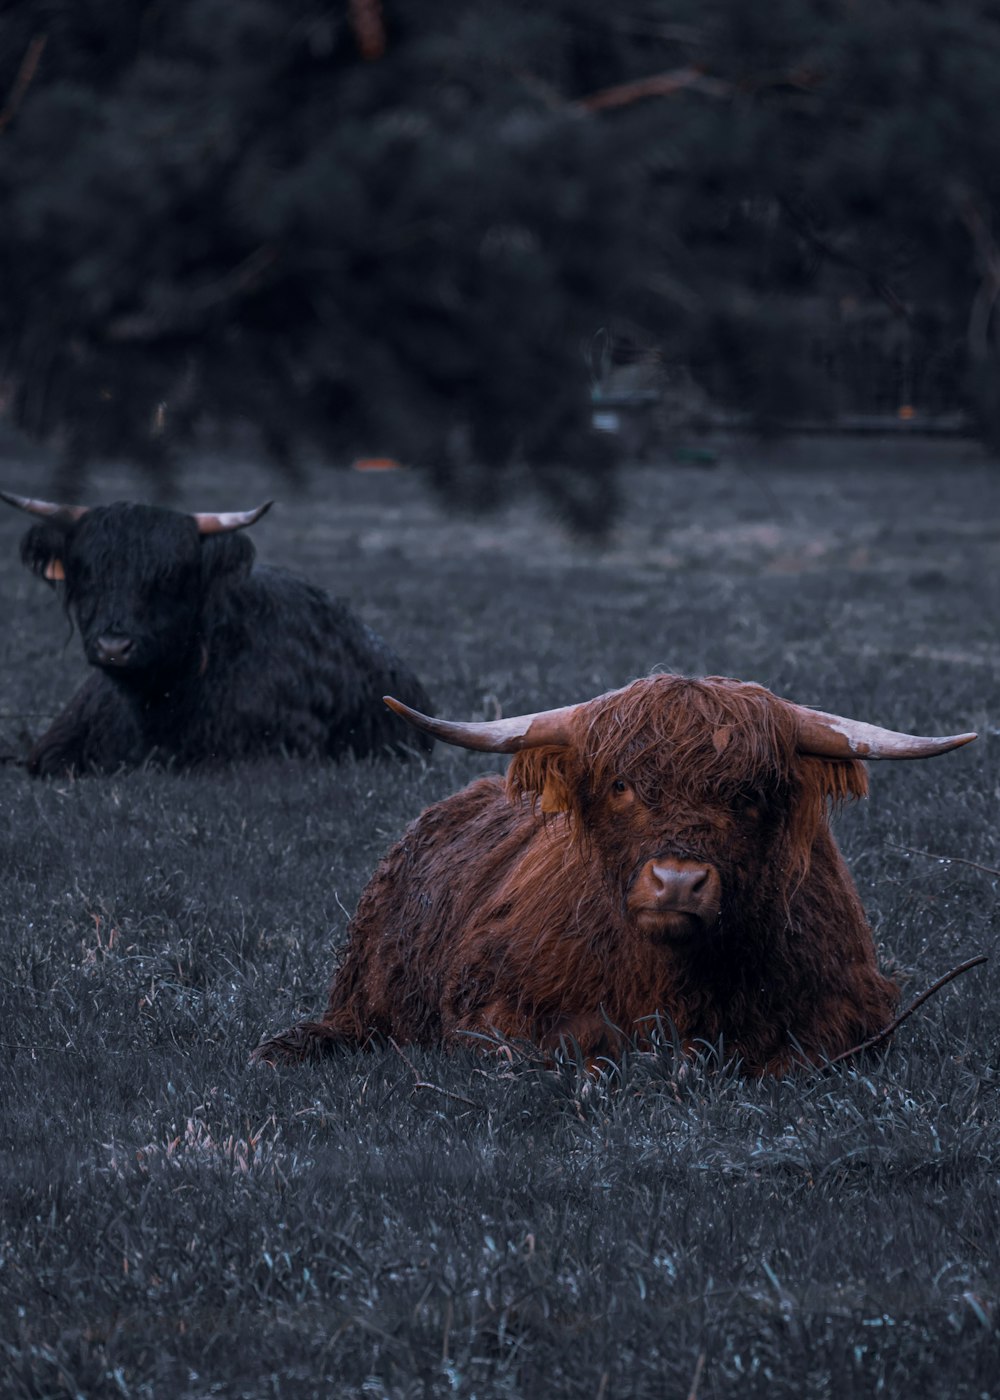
column 832, row 736
column 495, row 735
column 49, row 509
column 230, row 520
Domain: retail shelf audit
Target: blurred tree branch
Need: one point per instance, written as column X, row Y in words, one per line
column 393, row 229
column 27, row 71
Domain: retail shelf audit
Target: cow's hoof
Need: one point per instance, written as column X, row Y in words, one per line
column 306, row 1041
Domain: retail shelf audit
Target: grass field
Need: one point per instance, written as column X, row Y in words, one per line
column 177, row 1225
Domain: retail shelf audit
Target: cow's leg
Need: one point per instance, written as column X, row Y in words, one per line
column 844, row 1019
column 488, row 1028
column 503, row 1029
column 97, row 731
column 590, row 1032
column 308, row 1041
column 60, row 750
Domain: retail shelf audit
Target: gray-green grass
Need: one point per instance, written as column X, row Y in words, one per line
column 176, row 1224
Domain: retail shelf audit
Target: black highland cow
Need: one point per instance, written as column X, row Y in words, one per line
column 202, row 658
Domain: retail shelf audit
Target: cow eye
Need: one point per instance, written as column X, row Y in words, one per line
column 619, row 786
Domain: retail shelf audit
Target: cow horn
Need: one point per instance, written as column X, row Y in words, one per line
column 67, row 515
column 832, row 736
column 231, row 520
column 495, row 735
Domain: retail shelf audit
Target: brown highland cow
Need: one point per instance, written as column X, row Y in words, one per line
column 661, row 852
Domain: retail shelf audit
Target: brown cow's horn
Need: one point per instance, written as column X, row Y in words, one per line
column 832, row 736
column 495, row 735
column 66, row 514
column 231, row 520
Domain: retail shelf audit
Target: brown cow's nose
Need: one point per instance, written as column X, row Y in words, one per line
column 112, row 650
column 668, row 885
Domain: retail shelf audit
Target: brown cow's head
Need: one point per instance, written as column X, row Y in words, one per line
column 699, row 797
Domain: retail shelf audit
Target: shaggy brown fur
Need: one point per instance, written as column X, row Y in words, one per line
column 504, row 907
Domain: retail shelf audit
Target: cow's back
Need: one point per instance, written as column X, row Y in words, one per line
column 290, row 669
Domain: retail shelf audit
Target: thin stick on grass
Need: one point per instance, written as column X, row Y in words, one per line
column 419, row 1083
column 957, row 860
column 886, row 1032
column 699, row 1367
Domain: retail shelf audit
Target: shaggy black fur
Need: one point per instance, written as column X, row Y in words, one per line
column 224, row 661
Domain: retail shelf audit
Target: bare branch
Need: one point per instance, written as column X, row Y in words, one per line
column 235, row 283
column 886, row 1032
column 656, row 85
column 803, row 226
column 25, row 74
column 699, row 1367
column 369, row 27
column 419, row 1083
column 956, row 860
column 988, row 257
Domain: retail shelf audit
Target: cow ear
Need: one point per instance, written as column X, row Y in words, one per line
column 226, row 556
column 819, row 784
column 838, row 781
column 43, row 551
column 555, row 793
column 545, row 775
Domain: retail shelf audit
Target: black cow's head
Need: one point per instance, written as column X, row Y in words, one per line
column 136, row 577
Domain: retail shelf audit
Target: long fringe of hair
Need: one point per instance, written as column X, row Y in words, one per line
column 715, row 739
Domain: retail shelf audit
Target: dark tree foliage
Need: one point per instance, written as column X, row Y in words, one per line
column 396, row 227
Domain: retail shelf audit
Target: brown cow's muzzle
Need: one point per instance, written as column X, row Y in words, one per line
column 672, row 899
